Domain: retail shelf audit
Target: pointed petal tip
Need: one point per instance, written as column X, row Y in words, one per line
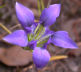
column 24, row 15
column 18, row 37
column 56, row 5
column 17, row 3
column 62, row 39
column 75, row 47
column 72, row 46
column 4, row 39
column 49, row 15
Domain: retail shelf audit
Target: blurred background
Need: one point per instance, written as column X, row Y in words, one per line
column 69, row 20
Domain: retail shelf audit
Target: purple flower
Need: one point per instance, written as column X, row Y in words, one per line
column 61, row 39
column 18, row 37
column 37, row 36
column 49, row 15
column 40, row 57
column 24, row 15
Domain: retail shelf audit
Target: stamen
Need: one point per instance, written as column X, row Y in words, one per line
column 43, row 39
column 43, row 31
column 36, row 28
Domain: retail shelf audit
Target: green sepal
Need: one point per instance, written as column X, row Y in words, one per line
column 30, row 37
column 27, row 48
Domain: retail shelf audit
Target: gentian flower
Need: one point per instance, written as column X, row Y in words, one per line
column 36, row 36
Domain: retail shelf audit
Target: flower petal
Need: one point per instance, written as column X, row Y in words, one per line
column 49, row 15
column 62, row 39
column 24, row 15
column 40, row 57
column 45, row 38
column 18, row 37
column 31, row 28
column 48, row 32
column 28, row 30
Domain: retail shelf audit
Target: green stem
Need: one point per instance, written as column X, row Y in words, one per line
column 49, row 2
column 36, row 28
column 38, row 2
column 42, row 4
